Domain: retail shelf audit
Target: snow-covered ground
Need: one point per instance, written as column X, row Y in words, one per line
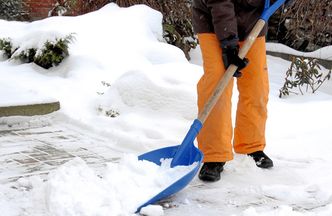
column 323, row 53
column 152, row 92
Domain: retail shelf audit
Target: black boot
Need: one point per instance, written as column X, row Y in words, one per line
column 261, row 159
column 210, row 171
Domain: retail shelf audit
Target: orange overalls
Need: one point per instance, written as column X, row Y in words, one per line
column 215, row 138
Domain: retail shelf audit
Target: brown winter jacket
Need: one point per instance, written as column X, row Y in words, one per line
column 231, row 20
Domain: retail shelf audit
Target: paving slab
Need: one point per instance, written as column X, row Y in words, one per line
column 38, row 150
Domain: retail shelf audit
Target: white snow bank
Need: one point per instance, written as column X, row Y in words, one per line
column 323, row 53
column 153, row 90
column 75, row 189
column 12, row 96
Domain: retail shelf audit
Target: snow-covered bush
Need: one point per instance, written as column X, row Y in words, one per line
column 303, row 74
column 50, row 54
column 6, row 47
column 53, row 53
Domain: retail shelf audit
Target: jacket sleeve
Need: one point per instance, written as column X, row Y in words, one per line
column 224, row 21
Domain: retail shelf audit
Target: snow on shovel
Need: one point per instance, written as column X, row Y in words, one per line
column 186, row 153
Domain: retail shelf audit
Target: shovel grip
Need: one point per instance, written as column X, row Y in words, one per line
column 202, row 116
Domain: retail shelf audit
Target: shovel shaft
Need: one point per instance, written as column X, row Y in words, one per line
column 202, row 116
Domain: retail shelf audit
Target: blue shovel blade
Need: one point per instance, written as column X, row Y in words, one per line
column 184, row 154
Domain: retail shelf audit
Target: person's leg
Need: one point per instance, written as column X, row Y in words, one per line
column 215, row 138
column 253, row 86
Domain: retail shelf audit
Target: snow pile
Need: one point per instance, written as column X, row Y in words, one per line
column 22, row 96
column 323, row 53
column 152, row 210
column 35, row 39
column 139, row 91
column 75, row 189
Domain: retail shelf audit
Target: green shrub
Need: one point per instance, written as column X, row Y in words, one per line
column 51, row 54
column 303, row 74
column 26, row 56
column 6, row 47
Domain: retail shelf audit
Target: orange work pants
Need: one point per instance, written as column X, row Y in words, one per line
column 215, row 138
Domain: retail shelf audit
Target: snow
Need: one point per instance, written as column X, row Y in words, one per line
column 152, row 90
column 75, row 189
column 152, row 210
column 323, row 53
column 22, row 96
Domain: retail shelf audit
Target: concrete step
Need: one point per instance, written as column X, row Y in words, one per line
column 24, row 101
column 29, row 109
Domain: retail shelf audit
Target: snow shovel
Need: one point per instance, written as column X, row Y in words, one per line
column 186, row 153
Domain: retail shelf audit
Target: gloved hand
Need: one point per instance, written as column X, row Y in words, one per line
column 230, row 56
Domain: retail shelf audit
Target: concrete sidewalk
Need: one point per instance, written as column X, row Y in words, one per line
column 35, row 148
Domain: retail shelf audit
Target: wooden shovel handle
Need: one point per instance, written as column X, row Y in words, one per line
column 202, row 116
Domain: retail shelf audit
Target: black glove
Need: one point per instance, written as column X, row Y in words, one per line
column 230, row 56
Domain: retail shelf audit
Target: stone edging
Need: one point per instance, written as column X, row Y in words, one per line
column 30, row 109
